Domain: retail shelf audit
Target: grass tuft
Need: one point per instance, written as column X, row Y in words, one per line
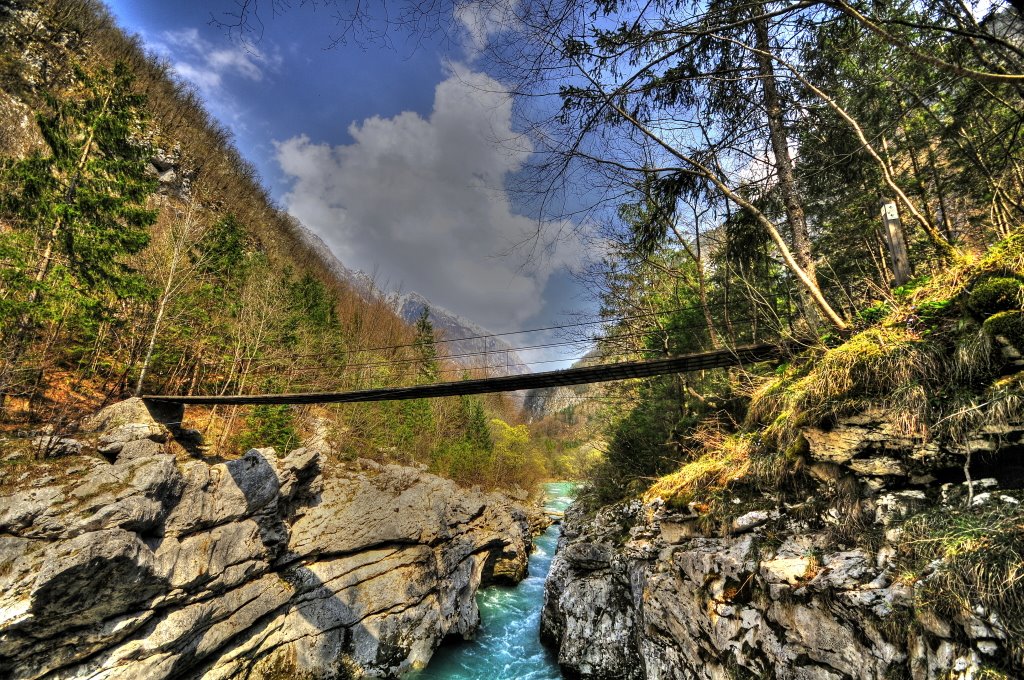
column 887, row 367
column 965, row 558
column 726, row 459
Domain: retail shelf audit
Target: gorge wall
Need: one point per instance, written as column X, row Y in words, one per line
column 811, row 589
column 158, row 566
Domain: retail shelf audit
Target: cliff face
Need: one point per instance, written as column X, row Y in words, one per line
column 155, row 566
column 646, row 591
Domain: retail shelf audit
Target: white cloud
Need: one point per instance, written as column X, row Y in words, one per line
column 207, row 65
column 421, row 201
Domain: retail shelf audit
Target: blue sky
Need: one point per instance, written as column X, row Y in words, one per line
column 398, row 156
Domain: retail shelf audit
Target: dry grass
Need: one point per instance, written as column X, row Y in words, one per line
column 981, row 563
column 889, row 367
column 726, row 460
column 999, row 406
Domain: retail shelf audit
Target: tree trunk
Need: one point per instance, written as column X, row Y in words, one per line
column 152, row 343
column 784, row 164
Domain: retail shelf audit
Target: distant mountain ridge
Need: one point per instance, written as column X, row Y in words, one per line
column 466, row 342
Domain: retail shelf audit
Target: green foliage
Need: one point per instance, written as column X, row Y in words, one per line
column 222, row 251
column 83, row 203
column 425, row 348
column 273, row 426
column 15, row 274
column 478, row 432
column 461, row 461
column 873, row 314
column 311, row 303
column 414, row 422
column 642, row 444
column 513, row 457
column 910, row 286
column 930, row 313
column 489, row 451
column 996, row 294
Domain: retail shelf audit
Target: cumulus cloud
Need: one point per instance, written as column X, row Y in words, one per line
column 421, row 201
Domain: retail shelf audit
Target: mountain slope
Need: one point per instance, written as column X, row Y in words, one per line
column 466, row 342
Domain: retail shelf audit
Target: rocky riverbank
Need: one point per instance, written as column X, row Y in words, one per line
column 825, row 588
column 146, row 564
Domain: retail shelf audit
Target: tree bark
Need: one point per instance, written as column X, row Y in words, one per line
column 779, row 138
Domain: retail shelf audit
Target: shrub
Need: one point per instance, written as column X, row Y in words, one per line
column 461, row 461
column 270, row 426
column 641, row 446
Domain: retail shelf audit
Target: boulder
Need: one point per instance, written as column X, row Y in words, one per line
column 53, row 446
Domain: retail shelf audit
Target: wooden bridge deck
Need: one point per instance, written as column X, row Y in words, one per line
column 721, row 358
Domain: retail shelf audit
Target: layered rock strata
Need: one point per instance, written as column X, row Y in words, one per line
column 157, row 566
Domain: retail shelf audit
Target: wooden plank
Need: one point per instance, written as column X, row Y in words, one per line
column 721, row 358
column 896, row 241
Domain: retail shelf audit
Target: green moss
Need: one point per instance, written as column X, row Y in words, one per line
column 996, row 294
column 798, row 450
column 1009, row 324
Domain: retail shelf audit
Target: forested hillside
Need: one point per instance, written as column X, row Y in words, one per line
column 845, row 179
column 141, row 255
column 849, row 180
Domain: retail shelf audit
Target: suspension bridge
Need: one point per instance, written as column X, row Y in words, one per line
column 719, row 358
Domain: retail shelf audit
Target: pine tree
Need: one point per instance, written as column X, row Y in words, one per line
column 82, row 206
column 425, row 349
column 478, row 431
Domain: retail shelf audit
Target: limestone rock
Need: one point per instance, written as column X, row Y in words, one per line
column 587, row 556
column 670, row 603
column 791, row 570
column 870, row 444
column 131, row 411
column 19, row 132
column 150, row 567
column 52, row 446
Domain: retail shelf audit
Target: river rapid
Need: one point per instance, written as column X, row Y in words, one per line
column 507, row 646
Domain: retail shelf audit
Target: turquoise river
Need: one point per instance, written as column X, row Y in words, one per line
column 507, row 646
